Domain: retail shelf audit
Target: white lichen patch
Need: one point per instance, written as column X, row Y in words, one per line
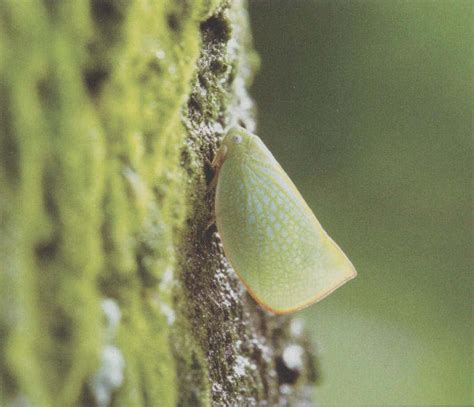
column 217, row 128
column 160, row 54
column 266, row 351
column 168, row 312
column 249, row 401
column 159, row 297
column 112, row 315
column 222, row 278
column 286, row 389
column 167, row 278
column 109, row 376
column 137, row 186
column 242, row 106
column 241, row 365
column 293, row 357
column 296, row 327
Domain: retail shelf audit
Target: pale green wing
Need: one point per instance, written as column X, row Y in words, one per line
column 271, row 237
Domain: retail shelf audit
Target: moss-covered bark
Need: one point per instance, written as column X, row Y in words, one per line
column 111, row 289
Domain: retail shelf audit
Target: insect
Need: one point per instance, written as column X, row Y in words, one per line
column 270, row 235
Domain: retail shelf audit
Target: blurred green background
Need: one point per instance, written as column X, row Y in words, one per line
column 368, row 106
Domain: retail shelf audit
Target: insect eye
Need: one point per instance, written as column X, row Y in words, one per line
column 237, row 139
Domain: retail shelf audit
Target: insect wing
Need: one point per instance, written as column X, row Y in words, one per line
column 272, row 238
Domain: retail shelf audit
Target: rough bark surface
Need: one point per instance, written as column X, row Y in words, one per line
column 112, row 289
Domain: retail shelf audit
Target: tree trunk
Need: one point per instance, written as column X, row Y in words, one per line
column 113, row 291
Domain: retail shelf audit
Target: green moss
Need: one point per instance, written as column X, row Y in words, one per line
column 91, row 190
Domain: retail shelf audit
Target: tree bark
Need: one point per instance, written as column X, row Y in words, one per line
column 112, row 289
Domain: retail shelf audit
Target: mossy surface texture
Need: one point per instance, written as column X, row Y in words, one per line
column 111, row 290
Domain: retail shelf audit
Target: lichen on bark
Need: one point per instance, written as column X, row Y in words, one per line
column 112, row 290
